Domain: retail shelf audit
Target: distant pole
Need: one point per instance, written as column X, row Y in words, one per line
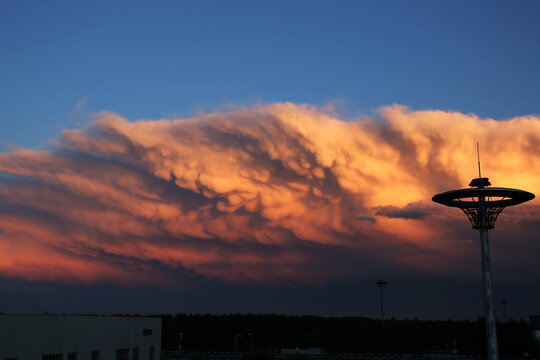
column 381, row 284
column 236, row 342
column 180, row 342
column 250, row 342
column 504, row 303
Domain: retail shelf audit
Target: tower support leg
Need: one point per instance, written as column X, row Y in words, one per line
column 491, row 330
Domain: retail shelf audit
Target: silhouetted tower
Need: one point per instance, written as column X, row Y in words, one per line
column 381, row 284
column 482, row 205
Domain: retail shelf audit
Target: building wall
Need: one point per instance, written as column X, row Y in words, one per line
column 30, row 337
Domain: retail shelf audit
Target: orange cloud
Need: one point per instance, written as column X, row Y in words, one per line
column 255, row 194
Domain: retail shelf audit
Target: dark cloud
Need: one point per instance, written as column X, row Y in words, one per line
column 371, row 219
column 412, row 211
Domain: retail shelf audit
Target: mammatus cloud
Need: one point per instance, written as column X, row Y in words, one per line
column 256, row 194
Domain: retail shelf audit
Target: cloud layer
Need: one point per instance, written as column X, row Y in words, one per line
column 280, row 193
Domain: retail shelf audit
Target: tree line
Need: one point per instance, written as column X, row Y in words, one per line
column 269, row 333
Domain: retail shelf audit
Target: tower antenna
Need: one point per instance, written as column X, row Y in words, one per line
column 478, row 154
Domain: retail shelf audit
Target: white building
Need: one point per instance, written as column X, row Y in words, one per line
column 298, row 351
column 59, row 337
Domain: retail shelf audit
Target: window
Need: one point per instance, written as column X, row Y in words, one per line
column 122, row 354
column 135, row 355
column 52, row 357
column 151, row 353
column 72, row 356
column 95, row 355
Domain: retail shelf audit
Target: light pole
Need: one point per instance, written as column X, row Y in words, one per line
column 180, row 336
column 236, row 342
column 482, row 205
column 250, row 342
column 504, row 303
column 381, row 284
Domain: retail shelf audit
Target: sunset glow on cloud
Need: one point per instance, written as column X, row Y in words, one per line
column 258, row 194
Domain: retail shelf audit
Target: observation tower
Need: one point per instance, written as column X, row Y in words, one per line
column 482, row 205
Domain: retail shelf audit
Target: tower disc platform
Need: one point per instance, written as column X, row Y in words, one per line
column 473, row 200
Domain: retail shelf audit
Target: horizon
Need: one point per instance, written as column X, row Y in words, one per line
column 479, row 318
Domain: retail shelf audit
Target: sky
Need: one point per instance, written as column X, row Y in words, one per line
column 265, row 157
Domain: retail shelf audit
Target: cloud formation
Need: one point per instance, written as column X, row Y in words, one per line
column 417, row 210
column 274, row 193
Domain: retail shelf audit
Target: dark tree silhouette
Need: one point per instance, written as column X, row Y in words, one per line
column 344, row 334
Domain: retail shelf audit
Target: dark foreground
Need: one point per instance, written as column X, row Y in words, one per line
column 198, row 355
column 344, row 338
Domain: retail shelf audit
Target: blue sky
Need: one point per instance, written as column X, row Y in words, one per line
column 171, row 58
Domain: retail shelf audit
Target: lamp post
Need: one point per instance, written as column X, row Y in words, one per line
column 250, row 342
column 381, row 284
column 482, row 205
column 236, row 342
